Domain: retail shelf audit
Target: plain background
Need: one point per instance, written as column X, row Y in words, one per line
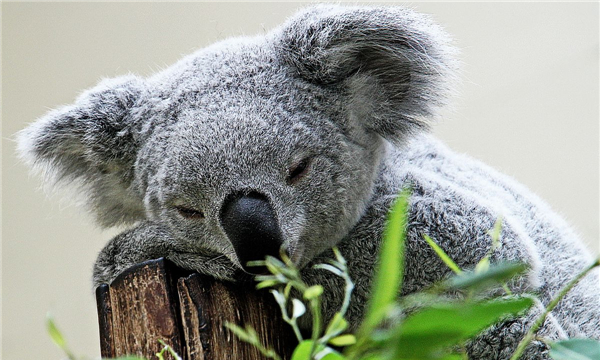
column 528, row 106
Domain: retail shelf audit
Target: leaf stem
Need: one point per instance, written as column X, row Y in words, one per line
column 348, row 281
column 315, row 305
column 540, row 320
column 290, row 321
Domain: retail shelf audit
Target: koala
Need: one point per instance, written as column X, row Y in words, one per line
column 301, row 139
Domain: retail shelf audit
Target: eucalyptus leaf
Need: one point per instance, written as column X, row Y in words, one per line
column 168, row 349
column 239, row 332
column 425, row 332
column 313, row 292
column 575, row 349
column 54, row 333
column 274, row 262
column 254, row 263
column 343, row 340
column 57, row 337
column 266, row 284
column 372, row 357
column 338, row 255
column 495, row 233
column 329, row 354
column 442, row 255
column 496, row 274
column 302, row 351
column 388, row 278
column 452, row 357
column 483, row 265
column 336, row 325
column 253, row 334
column 272, row 268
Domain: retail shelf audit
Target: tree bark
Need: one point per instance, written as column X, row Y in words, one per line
column 155, row 301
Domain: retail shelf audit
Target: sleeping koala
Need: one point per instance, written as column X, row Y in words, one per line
column 301, row 139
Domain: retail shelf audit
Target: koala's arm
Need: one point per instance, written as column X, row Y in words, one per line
column 459, row 221
column 145, row 241
column 149, row 240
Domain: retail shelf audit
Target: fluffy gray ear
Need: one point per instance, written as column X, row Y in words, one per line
column 90, row 145
column 395, row 65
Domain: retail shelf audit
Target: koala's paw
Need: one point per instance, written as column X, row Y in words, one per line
column 144, row 242
column 149, row 241
column 105, row 267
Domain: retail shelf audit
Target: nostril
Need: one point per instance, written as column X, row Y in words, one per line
column 251, row 226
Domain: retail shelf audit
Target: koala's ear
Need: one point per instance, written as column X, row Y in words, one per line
column 90, row 145
column 395, row 65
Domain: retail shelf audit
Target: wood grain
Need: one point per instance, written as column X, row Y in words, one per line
column 156, row 301
column 140, row 309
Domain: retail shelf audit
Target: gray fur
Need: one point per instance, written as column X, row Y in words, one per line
column 353, row 88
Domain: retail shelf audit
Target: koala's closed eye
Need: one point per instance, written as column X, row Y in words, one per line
column 298, row 170
column 189, row 213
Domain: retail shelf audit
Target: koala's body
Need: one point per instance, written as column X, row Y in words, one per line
column 302, row 139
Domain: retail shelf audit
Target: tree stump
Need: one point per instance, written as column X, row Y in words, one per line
column 155, row 301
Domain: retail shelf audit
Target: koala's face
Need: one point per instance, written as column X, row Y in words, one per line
column 254, row 144
column 255, row 157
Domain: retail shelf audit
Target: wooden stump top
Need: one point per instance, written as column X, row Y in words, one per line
column 155, row 301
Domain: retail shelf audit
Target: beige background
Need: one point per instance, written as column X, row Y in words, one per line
column 528, row 106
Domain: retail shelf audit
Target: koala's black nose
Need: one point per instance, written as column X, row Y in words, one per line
column 252, row 228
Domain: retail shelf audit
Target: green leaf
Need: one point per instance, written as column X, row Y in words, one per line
column 424, row 333
column 254, row 263
column 313, row 292
column 388, row 278
column 575, row 349
column 343, row 340
column 372, row 357
column 495, row 274
column 54, row 333
column 442, row 255
column 336, row 325
column 273, row 269
column 495, row 233
column 266, row 284
column 483, row 265
column 338, row 256
column 275, row 262
column 57, row 337
column 168, row 349
column 329, row 354
column 253, row 334
column 241, row 333
column 452, row 357
column 302, row 351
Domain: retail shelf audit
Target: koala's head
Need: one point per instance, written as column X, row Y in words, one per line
column 253, row 144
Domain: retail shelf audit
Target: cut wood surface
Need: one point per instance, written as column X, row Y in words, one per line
column 155, row 301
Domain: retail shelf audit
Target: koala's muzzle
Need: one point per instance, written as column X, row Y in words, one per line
column 251, row 225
